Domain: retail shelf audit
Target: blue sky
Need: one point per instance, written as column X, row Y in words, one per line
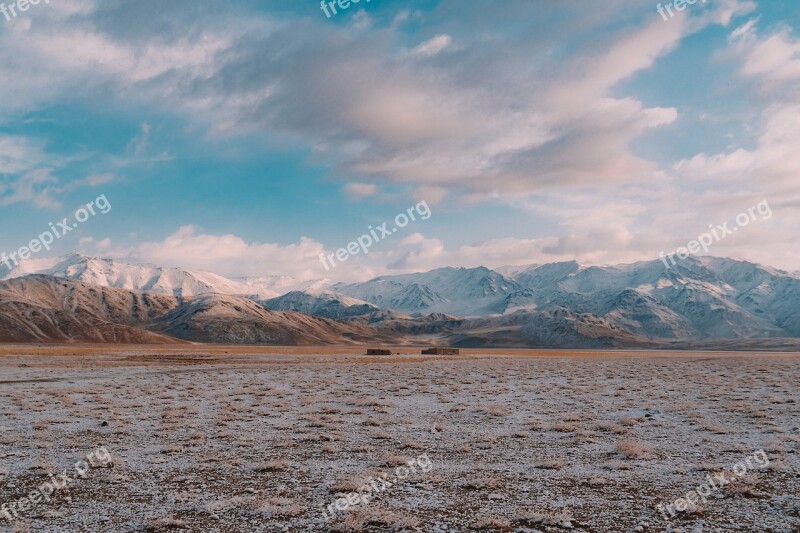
column 248, row 138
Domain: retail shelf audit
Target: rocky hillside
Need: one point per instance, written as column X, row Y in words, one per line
column 42, row 308
column 46, row 309
column 234, row 320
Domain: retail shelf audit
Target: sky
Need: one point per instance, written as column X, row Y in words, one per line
column 247, row 138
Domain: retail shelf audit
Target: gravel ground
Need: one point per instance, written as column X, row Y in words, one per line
column 201, row 442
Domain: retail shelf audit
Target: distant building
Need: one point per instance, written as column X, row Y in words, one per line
column 440, row 351
column 378, row 351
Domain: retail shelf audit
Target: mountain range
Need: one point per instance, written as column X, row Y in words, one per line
column 700, row 302
column 176, row 282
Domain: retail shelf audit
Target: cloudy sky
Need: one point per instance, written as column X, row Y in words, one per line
column 248, row 137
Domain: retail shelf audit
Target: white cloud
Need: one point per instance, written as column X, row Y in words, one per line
column 35, row 186
column 28, row 174
column 431, row 194
column 359, row 191
column 622, row 230
column 91, row 181
column 771, row 165
column 140, row 143
column 18, row 154
column 433, row 46
column 775, row 58
column 229, row 255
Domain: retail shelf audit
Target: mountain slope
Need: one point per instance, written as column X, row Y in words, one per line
column 555, row 328
column 328, row 304
column 40, row 308
column 46, row 309
column 234, row 320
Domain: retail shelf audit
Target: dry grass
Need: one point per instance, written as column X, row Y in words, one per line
column 274, row 465
column 633, row 450
column 277, row 506
column 362, row 520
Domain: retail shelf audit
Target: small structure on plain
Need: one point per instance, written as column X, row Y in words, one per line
column 440, row 351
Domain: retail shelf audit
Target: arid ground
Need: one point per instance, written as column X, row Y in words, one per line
column 226, row 439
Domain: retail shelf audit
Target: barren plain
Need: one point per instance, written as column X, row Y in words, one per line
column 237, row 439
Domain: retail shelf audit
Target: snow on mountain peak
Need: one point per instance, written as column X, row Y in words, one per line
column 149, row 278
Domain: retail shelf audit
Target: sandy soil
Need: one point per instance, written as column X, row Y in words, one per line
column 235, row 439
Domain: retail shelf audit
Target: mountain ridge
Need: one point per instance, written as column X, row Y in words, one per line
column 699, row 300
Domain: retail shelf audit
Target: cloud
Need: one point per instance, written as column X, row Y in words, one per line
column 140, row 143
column 25, row 176
column 479, row 121
column 535, row 115
column 28, row 174
column 35, row 186
column 432, row 195
column 359, row 191
column 91, row 181
column 228, row 254
column 433, row 46
column 41, row 188
column 770, row 166
column 18, row 154
column 775, row 58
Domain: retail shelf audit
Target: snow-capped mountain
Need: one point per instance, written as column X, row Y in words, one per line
column 459, row 291
column 702, row 297
column 285, row 284
column 325, row 304
column 699, row 300
column 329, row 304
column 111, row 273
column 511, row 271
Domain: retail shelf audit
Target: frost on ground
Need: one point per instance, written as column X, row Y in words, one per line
column 256, row 443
